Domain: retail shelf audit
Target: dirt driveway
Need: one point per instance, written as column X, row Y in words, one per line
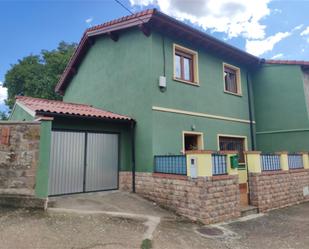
column 121, row 220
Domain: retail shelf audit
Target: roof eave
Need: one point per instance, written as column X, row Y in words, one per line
column 88, row 34
column 88, row 117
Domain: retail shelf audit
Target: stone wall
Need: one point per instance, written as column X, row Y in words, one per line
column 277, row 189
column 19, row 157
column 125, row 181
column 208, row 200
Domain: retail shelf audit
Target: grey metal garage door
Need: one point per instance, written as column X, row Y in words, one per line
column 83, row 162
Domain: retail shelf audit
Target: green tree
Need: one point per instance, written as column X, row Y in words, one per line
column 3, row 116
column 37, row 75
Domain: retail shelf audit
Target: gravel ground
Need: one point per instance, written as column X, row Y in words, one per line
column 23, row 229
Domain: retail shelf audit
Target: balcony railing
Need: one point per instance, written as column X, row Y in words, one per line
column 170, row 164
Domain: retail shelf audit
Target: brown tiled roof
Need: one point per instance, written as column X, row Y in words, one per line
column 52, row 107
column 122, row 19
column 156, row 20
column 288, row 62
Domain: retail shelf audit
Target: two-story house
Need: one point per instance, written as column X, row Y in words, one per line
column 174, row 88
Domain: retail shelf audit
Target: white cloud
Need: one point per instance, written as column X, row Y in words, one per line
column 141, row 2
column 233, row 17
column 259, row 47
column 89, row 20
column 3, row 93
column 299, row 27
column 277, row 56
column 277, row 11
column 305, row 32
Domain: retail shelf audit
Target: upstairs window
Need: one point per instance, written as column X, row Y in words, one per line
column 185, row 65
column 231, row 76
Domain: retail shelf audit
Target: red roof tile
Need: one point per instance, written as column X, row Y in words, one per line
column 47, row 106
column 288, row 62
column 122, row 19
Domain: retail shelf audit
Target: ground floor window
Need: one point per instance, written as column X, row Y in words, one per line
column 193, row 141
column 233, row 143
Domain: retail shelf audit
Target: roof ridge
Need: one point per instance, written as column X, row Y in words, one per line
column 121, row 19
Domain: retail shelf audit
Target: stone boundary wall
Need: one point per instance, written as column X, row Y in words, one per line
column 205, row 199
column 277, row 189
column 19, row 159
column 125, row 181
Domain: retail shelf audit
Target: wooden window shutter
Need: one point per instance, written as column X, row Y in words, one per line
column 5, row 135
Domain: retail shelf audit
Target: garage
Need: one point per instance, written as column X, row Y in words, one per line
column 83, row 162
column 82, row 148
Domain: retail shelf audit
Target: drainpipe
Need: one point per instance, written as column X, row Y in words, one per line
column 250, row 114
column 133, row 154
column 251, row 131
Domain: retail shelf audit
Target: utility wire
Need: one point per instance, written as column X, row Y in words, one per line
column 127, row 9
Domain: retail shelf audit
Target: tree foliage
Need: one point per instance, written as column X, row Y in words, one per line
column 37, row 75
column 3, row 116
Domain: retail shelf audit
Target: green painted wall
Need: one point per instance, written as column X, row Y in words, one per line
column 286, row 141
column 102, row 126
column 280, row 106
column 123, row 77
column 19, row 114
column 41, row 186
column 208, row 98
column 115, row 76
column 168, row 127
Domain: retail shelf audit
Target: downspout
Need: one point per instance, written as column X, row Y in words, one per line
column 251, row 131
column 250, row 114
column 133, row 154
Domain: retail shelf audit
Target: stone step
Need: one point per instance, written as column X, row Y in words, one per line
column 248, row 210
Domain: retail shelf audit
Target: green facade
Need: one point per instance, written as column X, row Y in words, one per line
column 19, row 114
column 281, row 114
column 123, row 77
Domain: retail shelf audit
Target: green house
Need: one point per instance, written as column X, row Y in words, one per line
column 172, row 88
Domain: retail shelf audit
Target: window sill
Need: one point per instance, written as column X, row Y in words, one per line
column 187, row 82
column 235, row 94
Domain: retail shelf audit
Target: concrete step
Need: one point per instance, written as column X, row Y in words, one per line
column 248, row 210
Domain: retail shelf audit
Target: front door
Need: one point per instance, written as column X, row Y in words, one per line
column 238, row 144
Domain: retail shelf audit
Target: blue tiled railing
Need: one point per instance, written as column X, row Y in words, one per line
column 174, row 164
column 295, row 161
column 270, row 162
column 219, row 165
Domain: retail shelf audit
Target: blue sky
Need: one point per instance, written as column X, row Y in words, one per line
column 269, row 29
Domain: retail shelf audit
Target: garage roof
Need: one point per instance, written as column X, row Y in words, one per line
column 37, row 106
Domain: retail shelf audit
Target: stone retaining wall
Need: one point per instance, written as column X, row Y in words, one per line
column 277, row 189
column 208, row 200
column 19, row 158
